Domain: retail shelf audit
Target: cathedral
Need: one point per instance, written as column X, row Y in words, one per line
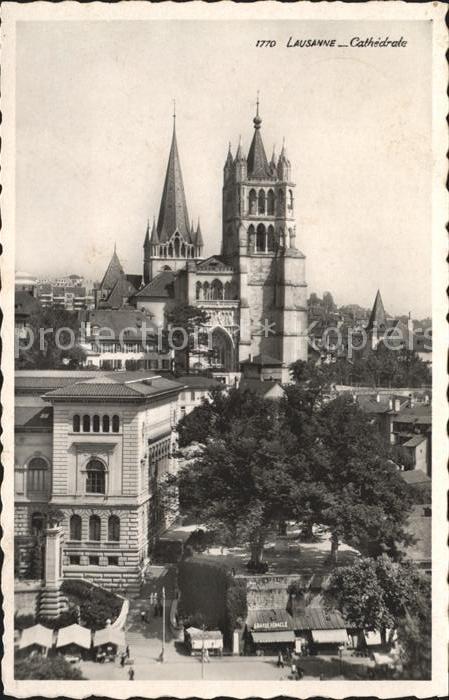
column 254, row 291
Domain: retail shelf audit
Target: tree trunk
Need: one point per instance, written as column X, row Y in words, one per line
column 256, row 553
column 307, row 531
column 334, row 549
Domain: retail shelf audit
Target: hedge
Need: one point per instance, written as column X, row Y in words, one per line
column 41, row 668
column 96, row 605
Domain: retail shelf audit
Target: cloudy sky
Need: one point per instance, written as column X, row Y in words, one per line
column 93, row 110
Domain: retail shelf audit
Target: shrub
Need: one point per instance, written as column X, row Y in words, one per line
column 96, row 605
column 45, row 668
column 203, row 591
column 236, row 605
column 257, row 567
column 21, row 622
column 55, row 623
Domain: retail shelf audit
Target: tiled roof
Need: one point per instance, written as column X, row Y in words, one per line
column 415, row 441
column 415, row 476
column 40, row 381
column 196, row 381
column 160, row 286
column 215, row 262
column 120, row 292
column 34, row 418
column 262, row 388
column 173, row 214
column 116, row 386
column 266, row 617
column 113, row 322
column 136, row 280
column 319, row 619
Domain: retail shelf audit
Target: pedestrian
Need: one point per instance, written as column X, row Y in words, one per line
column 127, row 652
column 131, row 674
column 160, row 608
column 293, row 670
column 156, row 610
column 122, row 660
column 280, row 660
column 142, row 615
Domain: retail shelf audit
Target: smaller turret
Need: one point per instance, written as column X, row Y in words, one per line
column 284, row 167
column 199, row 243
column 240, row 163
column 273, row 166
column 228, row 163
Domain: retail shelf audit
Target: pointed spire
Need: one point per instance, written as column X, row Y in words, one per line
column 283, row 154
column 258, row 167
column 173, row 214
column 113, row 272
column 228, row 161
column 146, row 242
column 273, row 159
column 378, row 316
column 154, row 235
column 199, row 237
column 239, row 155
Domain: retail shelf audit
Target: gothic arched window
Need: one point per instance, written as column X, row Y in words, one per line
column 170, row 250
column 114, row 528
column 270, row 202
column 261, row 202
column 37, row 475
column 177, row 243
column 206, row 292
column 260, row 239
column 199, row 289
column 228, row 290
column 251, row 235
column 290, row 199
column 94, row 528
column 270, row 239
column 281, row 200
column 252, row 198
column 95, row 477
column 75, row 528
column 183, row 251
column 217, row 290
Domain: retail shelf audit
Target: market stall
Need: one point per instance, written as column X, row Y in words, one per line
column 106, row 643
column 73, row 641
column 38, row 638
column 197, row 640
column 269, row 632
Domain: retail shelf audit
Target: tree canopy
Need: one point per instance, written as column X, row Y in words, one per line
column 186, row 322
column 304, row 458
column 55, row 341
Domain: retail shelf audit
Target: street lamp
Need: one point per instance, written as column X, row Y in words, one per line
column 163, row 624
column 340, row 655
column 202, row 654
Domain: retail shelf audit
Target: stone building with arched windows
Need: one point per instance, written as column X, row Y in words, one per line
column 254, row 291
column 93, row 446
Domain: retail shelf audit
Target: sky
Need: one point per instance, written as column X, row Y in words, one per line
column 94, row 104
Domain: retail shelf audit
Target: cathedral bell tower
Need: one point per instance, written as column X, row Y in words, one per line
column 259, row 239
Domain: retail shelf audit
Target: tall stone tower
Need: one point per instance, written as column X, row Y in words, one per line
column 259, row 240
column 173, row 240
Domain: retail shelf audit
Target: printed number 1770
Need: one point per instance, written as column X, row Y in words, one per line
column 265, row 43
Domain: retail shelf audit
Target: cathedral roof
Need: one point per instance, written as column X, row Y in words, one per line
column 199, row 236
column 121, row 290
column 113, row 273
column 257, row 162
column 378, row 316
column 160, row 286
column 173, row 214
column 154, row 235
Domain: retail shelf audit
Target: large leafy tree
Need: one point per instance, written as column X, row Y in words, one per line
column 42, row 668
column 186, row 322
column 380, row 594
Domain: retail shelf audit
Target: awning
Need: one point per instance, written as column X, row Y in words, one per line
column 36, row 635
column 330, row 636
column 109, row 635
column 273, row 637
column 372, row 638
column 74, row 634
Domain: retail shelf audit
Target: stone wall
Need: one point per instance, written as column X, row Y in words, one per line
column 26, row 594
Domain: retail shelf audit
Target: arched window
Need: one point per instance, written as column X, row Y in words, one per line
column 228, row 290
column 183, row 251
column 95, row 481
column 170, row 250
column 252, row 199
column 199, row 288
column 260, row 239
column 75, row 528
column 96, row 424
column 270, row 239
column 37, row 523
column 270, row 202
column 86, row 424
column 94, row 528
column 177, row 247
column 261, row 202
column 206, row 290
column 251, row 237
column 281, row 200
column 114, row 528
column 37, row 475
column 106, row 424
column 217, row 289
column 76, row 424
column 115, row 424
column 290, row 199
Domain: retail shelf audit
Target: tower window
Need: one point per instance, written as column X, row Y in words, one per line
column 290, row 199
column 252, row 198
column 95, row 480
column 261, row 202
column 270, row 202
column 86, row 424
column 199, row 289
column 96, row 424
column 115, row 424
column 106, row 425
column 217, row 289
column 260, row 239
column 270, row 239
column 37, row 475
